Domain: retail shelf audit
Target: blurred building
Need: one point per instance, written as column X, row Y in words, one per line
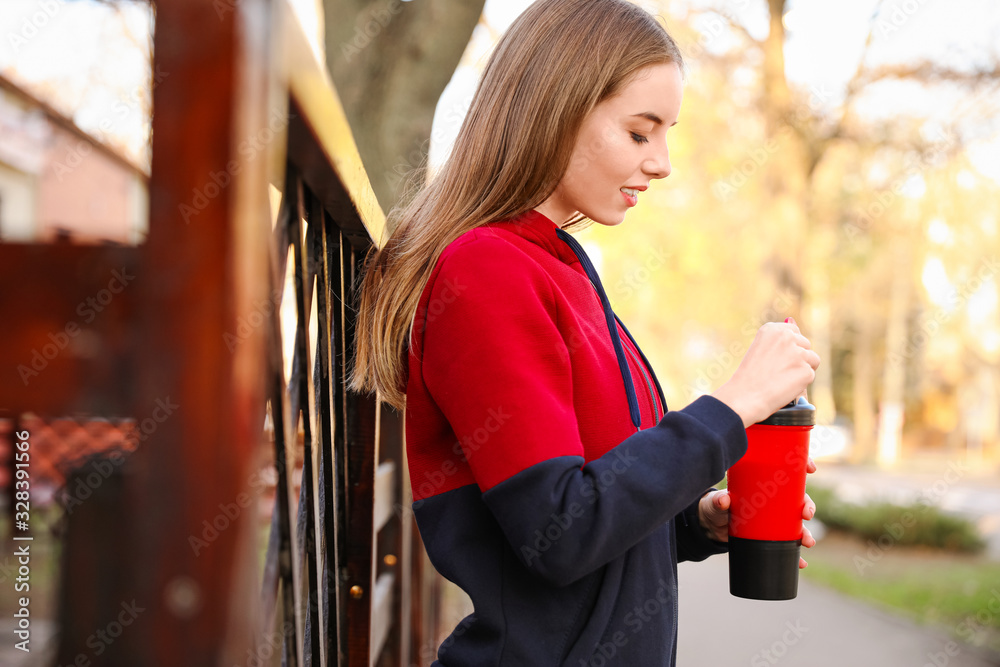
column 56, row 180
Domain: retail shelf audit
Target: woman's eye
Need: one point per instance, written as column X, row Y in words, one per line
column 638, row 138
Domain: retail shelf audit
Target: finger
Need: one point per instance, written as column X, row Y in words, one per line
column 803, row 342
column 808, row 508
column 802, row 563
column 791, row 320
column 721, row 500
column 810, row 465
column 808, row 540
column 812, row 359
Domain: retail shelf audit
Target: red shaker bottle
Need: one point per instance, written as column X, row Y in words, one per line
column 767, row 491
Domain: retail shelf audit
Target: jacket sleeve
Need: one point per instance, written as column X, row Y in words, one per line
column 492, row 346
column 693, row 543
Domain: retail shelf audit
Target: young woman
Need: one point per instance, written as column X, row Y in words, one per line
column 549, row 480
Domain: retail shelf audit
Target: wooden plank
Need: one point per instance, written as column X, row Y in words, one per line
column 382, row 617
column 206, row 246
column 328, row 291
column 411, row 634
column 393, row 557
column 321, row 140
column 340, row 351
column 280, row 572
column 302, row 389
column 361, row 417
column 385, row 493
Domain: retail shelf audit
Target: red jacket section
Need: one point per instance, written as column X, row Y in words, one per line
column 547, row 481
column 536, row 360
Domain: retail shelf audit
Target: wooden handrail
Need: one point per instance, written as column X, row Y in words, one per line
column 330, row 162
column 245, row 105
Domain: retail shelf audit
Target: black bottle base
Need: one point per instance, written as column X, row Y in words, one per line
column 763, row 569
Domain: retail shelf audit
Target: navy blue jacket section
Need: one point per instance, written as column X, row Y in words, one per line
column 572, row 564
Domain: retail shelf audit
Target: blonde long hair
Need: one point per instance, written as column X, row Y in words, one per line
column 556, row 62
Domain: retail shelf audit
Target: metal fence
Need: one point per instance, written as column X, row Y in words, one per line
column 240, row 320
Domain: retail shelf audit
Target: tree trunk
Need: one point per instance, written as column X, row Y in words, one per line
column 390, row 62
column 783, row 175
column 863, row 371
column 801, row 236
column 816, row 309
column 890, row 429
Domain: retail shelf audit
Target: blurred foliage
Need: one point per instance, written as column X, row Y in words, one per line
column 880, row 236
column 886, row 525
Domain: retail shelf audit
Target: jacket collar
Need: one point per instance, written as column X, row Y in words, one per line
column 540, row 230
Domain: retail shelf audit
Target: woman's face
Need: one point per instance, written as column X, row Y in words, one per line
column 621, row 147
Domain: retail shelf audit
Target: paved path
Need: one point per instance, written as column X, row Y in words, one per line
column 820, row 628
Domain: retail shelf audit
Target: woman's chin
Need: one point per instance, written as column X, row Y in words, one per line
column 610, row 221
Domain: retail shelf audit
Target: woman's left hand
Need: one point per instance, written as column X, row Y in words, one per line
column 713, row 513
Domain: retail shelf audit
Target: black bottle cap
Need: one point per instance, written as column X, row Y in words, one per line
column 797, row 413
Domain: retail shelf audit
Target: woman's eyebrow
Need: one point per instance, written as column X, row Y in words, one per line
column 649, row 115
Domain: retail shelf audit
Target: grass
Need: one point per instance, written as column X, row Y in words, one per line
column 894, row 525
column 959, row 594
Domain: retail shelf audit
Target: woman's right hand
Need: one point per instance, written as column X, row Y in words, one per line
column 777, row 368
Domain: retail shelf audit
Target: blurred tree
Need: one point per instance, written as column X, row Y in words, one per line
column 806, row 232
column 800, row 199
column 390, row 61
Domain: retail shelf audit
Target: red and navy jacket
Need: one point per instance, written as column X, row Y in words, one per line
column 549, row 481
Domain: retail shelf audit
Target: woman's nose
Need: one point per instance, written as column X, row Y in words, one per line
column 658, row 165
